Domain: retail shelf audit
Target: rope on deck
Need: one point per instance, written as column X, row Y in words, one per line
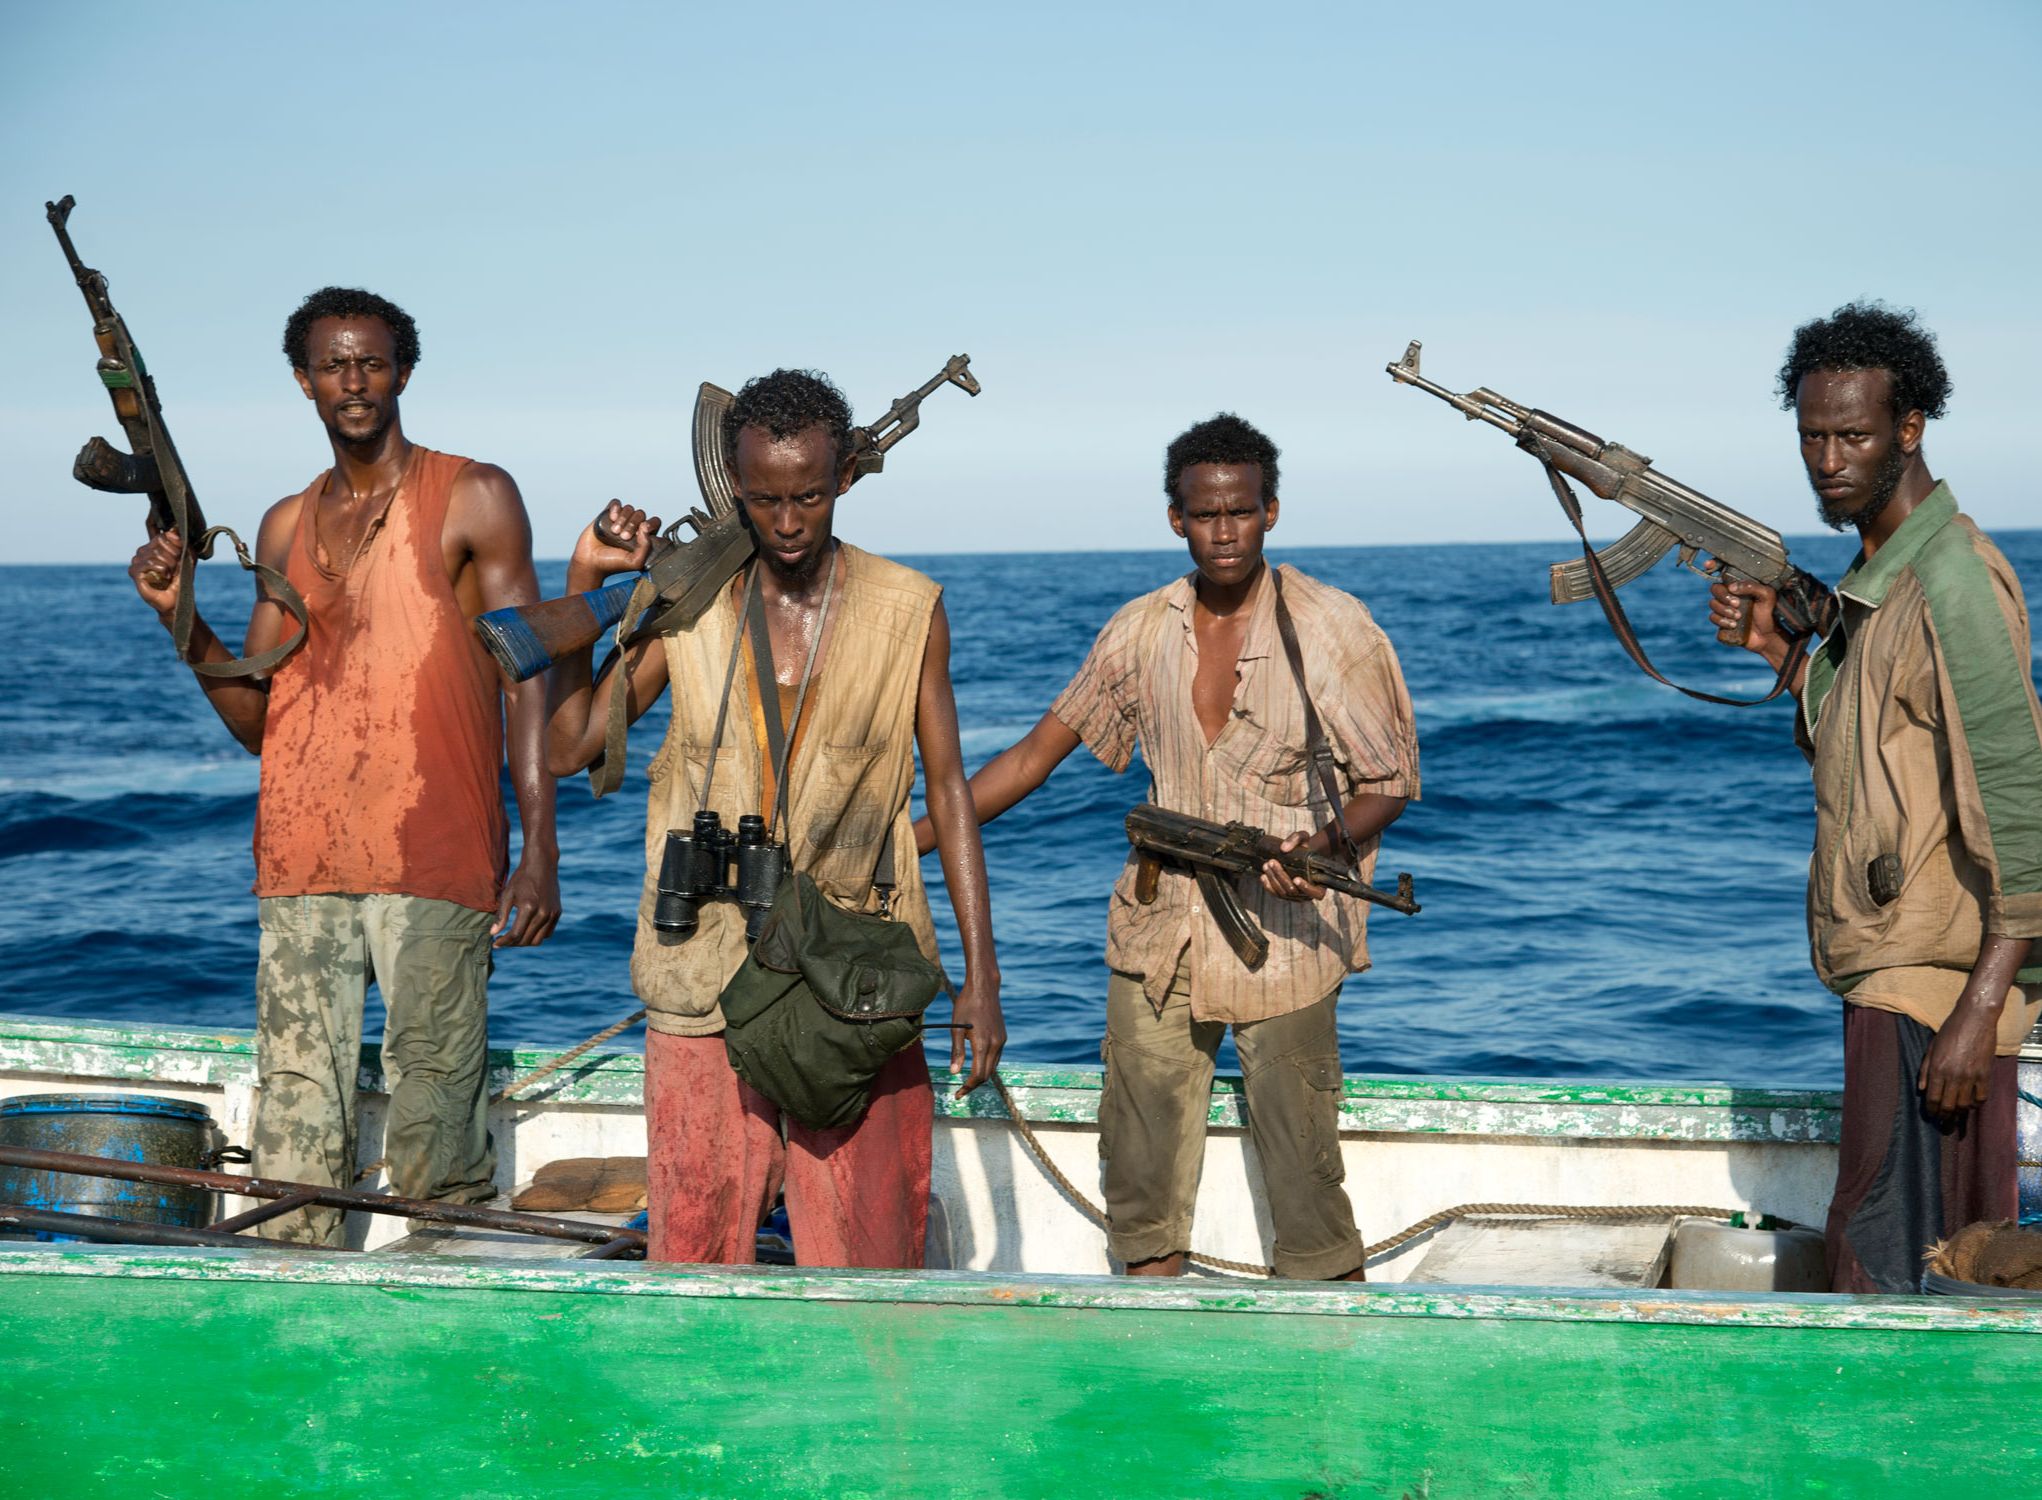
column 543, row 1071
column 1591, row 1213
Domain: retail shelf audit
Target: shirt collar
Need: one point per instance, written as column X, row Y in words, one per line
column 1868, row 580
column 1259, row 640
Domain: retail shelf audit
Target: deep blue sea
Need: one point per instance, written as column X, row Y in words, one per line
column 1612, row 874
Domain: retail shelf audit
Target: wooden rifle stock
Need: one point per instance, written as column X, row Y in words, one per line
column 526, row 639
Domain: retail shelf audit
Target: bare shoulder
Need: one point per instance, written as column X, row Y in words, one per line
column 486, row 514
column 279, row 525
column 486, row 489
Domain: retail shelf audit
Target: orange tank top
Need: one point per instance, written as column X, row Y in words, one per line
column 381, row 751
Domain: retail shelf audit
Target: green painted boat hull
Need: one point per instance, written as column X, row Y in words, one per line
column 226, row 1373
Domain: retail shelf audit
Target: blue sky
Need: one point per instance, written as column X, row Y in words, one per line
column 1130, row 217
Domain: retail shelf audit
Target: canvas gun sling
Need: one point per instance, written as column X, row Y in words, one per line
column 1317, row 751
column 1620, row 623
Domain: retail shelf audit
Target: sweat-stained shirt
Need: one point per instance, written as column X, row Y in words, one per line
column 1920, row 719
column 1135, row 687
column 381, row 751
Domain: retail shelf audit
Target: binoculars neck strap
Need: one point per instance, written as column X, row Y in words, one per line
column 780, row 737
column 745, row 611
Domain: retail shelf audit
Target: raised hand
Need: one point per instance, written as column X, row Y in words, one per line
column 1725, row 598
column 154, row 571
column 617, row 541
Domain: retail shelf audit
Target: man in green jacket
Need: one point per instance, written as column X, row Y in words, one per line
column 1920, row 720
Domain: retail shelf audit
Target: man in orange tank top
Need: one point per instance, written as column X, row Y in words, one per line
column 879, row 642
column 380, row 836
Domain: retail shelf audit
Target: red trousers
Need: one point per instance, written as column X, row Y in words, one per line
column 715, row 1161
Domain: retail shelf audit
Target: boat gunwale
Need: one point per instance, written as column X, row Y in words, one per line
column 1048, row 1094
column 1891, row 1314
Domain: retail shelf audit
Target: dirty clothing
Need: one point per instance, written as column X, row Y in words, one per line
column 850, row 783
column 1920, row 718
column 714, row 1144
column 857, row 1195
column 1904, row 1179
column 384, row 731
column 1153, row 1113
column 430, row 960
column 1135, row 687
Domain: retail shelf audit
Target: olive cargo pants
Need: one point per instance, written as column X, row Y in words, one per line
column 1152, row 1118
column 430, row 959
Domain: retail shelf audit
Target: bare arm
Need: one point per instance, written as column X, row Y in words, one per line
column 1011, row 775
column 241, row 702
column 1957, row 1073
column 964, row 861
column 488, row 516
column 580, row 712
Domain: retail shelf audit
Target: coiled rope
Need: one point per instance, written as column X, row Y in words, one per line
column 1591, row 1213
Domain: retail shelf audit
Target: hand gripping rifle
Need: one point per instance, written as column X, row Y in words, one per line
column 1218, row 854
column 684, row 573
column 153, row 468
column 1674, row 516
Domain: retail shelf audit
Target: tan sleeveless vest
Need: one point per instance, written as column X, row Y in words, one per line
column 850, row 779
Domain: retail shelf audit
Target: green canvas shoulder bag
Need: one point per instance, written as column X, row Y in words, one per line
column 824, row 996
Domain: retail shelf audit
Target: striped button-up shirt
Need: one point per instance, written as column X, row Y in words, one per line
column 1135, row 688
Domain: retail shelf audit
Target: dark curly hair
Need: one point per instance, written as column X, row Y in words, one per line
column 788, row 402
column 1221, row 439
column 1871, row 336
column 349, row 302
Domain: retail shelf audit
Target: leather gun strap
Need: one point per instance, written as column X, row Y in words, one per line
column 1317, row 751
column 1620, row 623
column 275, row 587
column 607, row 774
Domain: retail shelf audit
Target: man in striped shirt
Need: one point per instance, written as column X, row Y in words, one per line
column 1195, row 674
column 1920, row 719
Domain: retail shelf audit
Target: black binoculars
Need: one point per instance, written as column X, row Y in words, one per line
column 697, row 867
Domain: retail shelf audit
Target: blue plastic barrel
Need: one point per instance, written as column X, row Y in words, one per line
column 128, row 1127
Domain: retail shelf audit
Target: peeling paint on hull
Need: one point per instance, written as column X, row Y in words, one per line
column 398, row 1377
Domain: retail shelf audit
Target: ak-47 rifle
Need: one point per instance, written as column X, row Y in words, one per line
column 684, row 573
column 1674, row 516
column 1218, row 854
column 153, row 468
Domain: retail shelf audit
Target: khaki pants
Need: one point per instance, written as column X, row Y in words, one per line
column 1152, row 1119
column 430, row 959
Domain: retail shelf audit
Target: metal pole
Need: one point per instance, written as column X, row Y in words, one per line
column 312, row 1193
column 128, row 1231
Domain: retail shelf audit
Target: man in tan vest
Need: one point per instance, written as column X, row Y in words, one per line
column 879, row 686
column 380, row 835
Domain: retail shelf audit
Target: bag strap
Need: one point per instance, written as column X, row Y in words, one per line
column 1317, row 751
column 1620, row 623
